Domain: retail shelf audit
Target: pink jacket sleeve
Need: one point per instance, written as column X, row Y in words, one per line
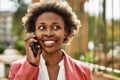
column 22, row 70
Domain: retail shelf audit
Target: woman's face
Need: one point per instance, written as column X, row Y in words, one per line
column 50, row 31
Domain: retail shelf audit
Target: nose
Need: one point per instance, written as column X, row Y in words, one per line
column 49, row 33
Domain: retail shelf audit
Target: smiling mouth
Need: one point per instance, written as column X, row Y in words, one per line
column 49, row 43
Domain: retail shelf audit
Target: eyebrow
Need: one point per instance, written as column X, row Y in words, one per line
column 54, row 22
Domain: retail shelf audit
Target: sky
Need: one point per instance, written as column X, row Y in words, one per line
column 116, row 9
column 93, row 7
column 7, row 5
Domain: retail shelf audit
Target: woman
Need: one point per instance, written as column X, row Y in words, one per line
column 49, row 25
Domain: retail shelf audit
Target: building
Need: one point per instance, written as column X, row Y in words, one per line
column 5, row 27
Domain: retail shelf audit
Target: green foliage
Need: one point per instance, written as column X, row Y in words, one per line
column 63, row 47
column 89, row 57
column 76, row 55
column 19, row 45
column 114, row 74
column 2, row 48
column 18, row 28
column 96, row 29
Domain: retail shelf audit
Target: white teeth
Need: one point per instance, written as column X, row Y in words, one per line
column 49, row 42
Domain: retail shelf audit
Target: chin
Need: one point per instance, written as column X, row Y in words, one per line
column 51, row 51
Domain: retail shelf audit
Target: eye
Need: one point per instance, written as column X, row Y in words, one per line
column 56, row 27
column 41, row 27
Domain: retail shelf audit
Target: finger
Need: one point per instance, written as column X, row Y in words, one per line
column 29, row 36
column 33, row 40
column 39, row 51
column 32, row 59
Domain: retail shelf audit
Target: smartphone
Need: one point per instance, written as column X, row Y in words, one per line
column 34, row 47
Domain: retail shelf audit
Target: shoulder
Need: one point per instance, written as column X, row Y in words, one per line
column 18, row 63
column 76, row 63
column 80, row 65
column 15, row 66
column 81, row 68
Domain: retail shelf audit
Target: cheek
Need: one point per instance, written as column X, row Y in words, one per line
column 61, row 36
column 38, row 34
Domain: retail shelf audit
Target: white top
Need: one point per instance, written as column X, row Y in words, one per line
column 43, row 73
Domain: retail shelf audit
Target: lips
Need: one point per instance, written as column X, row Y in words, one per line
column 49, row 43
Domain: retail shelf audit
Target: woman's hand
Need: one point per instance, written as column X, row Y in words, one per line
column 29, row 53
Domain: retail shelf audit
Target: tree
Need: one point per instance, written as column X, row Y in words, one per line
column 18, row 28
column 80, row 41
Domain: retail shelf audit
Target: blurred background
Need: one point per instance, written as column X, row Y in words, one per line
column 97, row 43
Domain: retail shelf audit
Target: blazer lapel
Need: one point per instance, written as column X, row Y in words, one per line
column 69, row 68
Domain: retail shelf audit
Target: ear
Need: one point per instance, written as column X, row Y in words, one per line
column 65, row 35
column 65, row 38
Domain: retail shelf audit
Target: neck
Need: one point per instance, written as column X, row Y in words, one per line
column 53, row 59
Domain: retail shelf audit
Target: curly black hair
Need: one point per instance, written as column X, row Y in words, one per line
column 72, row 24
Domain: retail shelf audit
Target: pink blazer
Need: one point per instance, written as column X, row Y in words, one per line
column 74, row 70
